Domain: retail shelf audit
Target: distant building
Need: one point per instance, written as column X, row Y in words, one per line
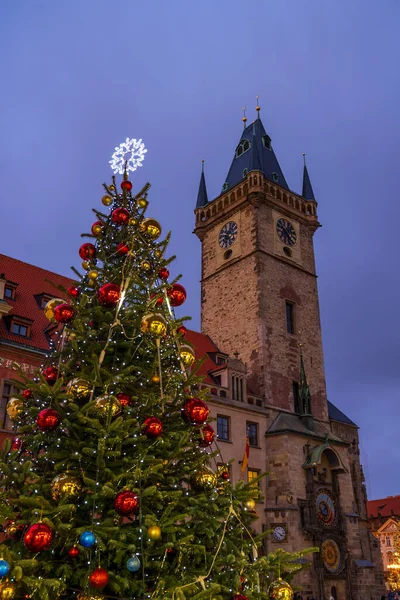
column 25, row 332
column 384, row 520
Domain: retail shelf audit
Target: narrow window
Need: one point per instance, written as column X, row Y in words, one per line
column 289, row 307
column 8, row 391
column 223, row 428
column 19, row 329
column 388, row 541
column 252, row 433
column 296, row 397
column 275, row 176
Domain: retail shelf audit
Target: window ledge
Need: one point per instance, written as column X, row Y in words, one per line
column 225, row 441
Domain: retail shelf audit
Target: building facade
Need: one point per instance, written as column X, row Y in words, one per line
column 384, row 519
column 259, row 306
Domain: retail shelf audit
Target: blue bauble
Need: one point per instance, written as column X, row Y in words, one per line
column 133, row 564
column 4, row 568
column 87, row 539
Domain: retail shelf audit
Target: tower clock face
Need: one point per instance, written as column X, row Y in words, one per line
column 286, row 232
column 228, row 234
column 279, row 533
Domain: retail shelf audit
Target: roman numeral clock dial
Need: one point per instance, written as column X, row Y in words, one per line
column 228, row 234
column 286, row 232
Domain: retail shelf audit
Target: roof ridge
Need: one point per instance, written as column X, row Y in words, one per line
column 35, row 266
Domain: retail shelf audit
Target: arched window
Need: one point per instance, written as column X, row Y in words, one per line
column 243, row 146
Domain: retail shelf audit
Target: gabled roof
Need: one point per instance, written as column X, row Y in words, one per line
column 336, row 415
column 388, row 526
column 258, row 157
column 31, row 282
column 384, row 507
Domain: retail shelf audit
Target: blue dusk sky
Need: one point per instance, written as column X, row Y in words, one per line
column 78, row 77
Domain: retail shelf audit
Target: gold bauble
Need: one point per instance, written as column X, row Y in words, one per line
column 142, row 203
column 107, row 200
column 91, row 282
column 151, row 228
column 250, row 504
column 93, row 274
column 155, row 379
column 111, row 187
column 15, row 408
column 66, row 486
column 7, row 590
column 155, row 324
column 158, row 253
column 85, row 265
column 97, row 229
column 145, row 265
column 154, row 532
column 84, row 597
column 280, row 590
column 204, row 480
column 187, row 355
column 106, row 403
column 50, row 306
column 79, row 388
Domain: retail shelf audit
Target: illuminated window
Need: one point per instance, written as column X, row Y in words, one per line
column 7, row 392
column 223, row 428
column 252, row 475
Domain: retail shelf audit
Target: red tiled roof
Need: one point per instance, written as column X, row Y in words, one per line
column 386, row 507
column 202, row 344
column 31, row 281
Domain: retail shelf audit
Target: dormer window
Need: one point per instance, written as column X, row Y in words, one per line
column 20, row 326
column 225, row 186
column 243, row 146
column 275, row 177
column 245, row 171
column 43, row 299
column 266, row 140
column 9, row 292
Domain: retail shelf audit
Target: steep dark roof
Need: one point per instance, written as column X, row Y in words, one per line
column 336, row 415
column 308, row 192
column 259, row 156
column 202, row 198
column 290, row 422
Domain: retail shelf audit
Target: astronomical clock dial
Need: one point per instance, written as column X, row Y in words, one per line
column 325, row 508
column 279, row 533
column 228, row 234
column 286, row 232
column 331, row 557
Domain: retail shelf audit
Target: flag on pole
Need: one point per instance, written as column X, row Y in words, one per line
column 245, row 460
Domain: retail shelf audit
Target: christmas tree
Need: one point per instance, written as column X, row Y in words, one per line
column 110, row 487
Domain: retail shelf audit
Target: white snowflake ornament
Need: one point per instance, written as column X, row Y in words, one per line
column 131, row 152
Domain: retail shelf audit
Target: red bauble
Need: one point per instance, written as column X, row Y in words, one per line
column 50, row 374
column 126, row 503
column 27, row 394
column 158, row 300
column 163, row 273
column 152, row 427
column 195, row 411
column 96, row 228
column 64, row 313
column 48, row 419
column 74, row 291
column 73, row 551
column 240, row 597
column 38, row 537
column 182, row 330
column 87, row 251
column 124, row 399
column 120, row 216
column 98, row 578
column 208, row 436
column 225, row 475
column 177, row 294
column 122, row 249
column 126, row 185
column 17, row 443
column 108, row 294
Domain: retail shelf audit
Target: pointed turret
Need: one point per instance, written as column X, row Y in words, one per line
column 307, row 192
column 254, row 152
column 202, row 198
column 304, row 395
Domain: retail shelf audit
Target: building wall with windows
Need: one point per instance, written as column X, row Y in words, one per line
column 384, row 520
column 25, row 333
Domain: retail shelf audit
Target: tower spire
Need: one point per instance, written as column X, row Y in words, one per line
column 307, row 192
column 254, row 162
column 244, row 117
column 202, row 198
column 258, row 107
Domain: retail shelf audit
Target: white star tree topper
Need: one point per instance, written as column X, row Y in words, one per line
column 131, row 152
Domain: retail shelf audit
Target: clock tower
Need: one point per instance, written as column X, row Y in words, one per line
column 259, row 294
